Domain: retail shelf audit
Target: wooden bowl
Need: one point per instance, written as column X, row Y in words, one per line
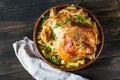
column 99, row 46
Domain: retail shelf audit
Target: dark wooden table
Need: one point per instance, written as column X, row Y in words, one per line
column 17, row 19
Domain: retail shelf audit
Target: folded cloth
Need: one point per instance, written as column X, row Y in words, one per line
column 30, row 60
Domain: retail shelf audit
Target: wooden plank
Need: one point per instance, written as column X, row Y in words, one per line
column 19, row 75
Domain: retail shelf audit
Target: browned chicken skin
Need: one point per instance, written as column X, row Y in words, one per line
column 83, row 36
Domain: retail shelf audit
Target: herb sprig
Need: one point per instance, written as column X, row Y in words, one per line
column 58, row 24
column 67, row 19
column 78, row 18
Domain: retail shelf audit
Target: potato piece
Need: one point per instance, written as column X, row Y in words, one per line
column 38, row 35
column 73, row 64
column 82, row 61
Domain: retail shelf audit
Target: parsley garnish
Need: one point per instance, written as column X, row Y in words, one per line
column 42, row 16
column 45, row 47
column 55, row 59
column 78, row 18
column 57, row 25
column 67, row 19
column 45, row 17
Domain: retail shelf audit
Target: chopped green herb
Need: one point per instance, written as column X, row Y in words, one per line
column 57, row 25
column 43, row 21
column 67, row 19
column 55, row 60
column 48, row 57
column 78, row 18
column 45, row 47
column 41, row 27
column 42, row 16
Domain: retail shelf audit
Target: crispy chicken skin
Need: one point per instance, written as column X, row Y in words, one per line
column 79, row 37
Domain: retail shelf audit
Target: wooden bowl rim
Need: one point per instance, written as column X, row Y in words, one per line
column 101, row 33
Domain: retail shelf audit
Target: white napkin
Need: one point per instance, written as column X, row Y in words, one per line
column 30, row 60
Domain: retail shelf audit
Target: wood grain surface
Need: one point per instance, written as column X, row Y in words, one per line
column 17, row 19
